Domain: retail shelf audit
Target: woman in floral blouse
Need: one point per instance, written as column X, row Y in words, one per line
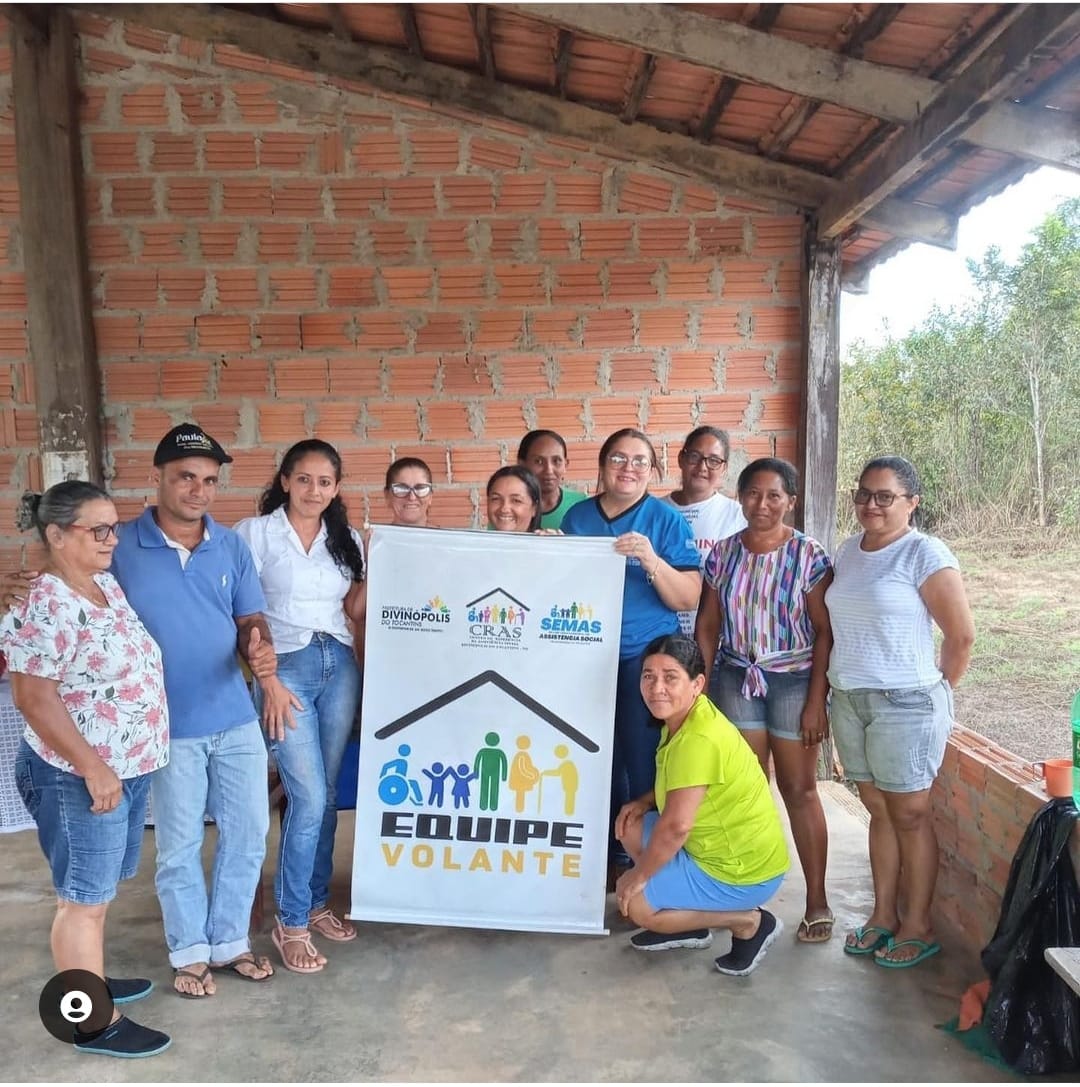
column 87, row 678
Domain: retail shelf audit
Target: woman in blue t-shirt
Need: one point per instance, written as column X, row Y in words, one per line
column 662, row 579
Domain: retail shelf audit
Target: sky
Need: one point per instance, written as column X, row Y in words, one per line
column 903, row 289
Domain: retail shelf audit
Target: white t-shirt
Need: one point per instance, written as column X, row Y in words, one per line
column 711, row 520
column 305, row 590
column 883, row 634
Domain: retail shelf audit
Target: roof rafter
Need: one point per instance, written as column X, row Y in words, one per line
column 394, row 71
column 412, row 31
column 478, row 13
column 747, row 54
column 952, row 113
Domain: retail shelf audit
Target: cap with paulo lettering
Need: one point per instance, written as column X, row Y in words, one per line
column 188, row 440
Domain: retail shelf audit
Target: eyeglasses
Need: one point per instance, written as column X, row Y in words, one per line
column 883, row 499
column 620, row 460
column 403, row 490
column 100, row 532
column 694, row 458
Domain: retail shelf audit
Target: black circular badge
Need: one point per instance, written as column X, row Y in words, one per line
column 75, row 1000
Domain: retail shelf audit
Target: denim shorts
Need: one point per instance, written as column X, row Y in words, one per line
column 894, row 738
column 88, row 853
column 683, row 885
column 779, row 711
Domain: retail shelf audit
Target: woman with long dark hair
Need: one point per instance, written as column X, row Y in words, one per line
column 513, row 500
column 311, row 565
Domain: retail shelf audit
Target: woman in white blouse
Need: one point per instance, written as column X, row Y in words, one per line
column 892, row 702
column 311, row 566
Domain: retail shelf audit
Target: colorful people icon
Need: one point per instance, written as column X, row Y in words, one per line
column 437, row 776
column 567, row 773
column 523, row 774
column 460, row 792
column 394, row 785
column 490, row 767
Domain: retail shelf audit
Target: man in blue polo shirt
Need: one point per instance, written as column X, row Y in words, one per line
column 193, row 583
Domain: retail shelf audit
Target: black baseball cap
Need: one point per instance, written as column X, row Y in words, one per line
column 188, row 440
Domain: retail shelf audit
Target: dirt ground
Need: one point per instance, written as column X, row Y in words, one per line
column 1025, row 594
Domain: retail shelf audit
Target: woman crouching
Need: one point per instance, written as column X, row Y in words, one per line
column 707, row 843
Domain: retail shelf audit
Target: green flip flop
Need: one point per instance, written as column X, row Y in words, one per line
column 925, row 951
column 882, row 940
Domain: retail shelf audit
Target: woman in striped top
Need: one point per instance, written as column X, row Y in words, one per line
column 763, row 609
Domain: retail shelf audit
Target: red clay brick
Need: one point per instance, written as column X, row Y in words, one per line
column 720, row 237
column 499, row 329
column 285, row 150
column 558, row 327
column 434, row 150
column 504, row 419
column 115, row 152
column 697, row 198
column 391, row 420
column 745, row 370
column 632, row 282
column 163, row 242
column 333, row 242
column 329, row 153
column 182, row 286
column 167, row 334
column 377, row 153
column 578, row 283
column 127, row 382
column 220, row 420
column 776, row 323
column 238, row 288
column 641, row 193
column 218, row 241
column 322, row 330
column 494, row 154
column 609, row 328
column 408, row 286
column 130, row 290
column 293, row 287
column 113, row 335
column 467, row 194
column 187, row 197
column 776, row 235
column 445, row 421
column 692, row 370
column 413, row 375
column 145, row 106
column 392, row 241
column 356, row 197
column 382, row 331
column 337, row 422
column 245, row 197
column 239, row 376
column 463, row 286
column 255, row 101
column 471, row 464
column 609, row 238
column 411, row 196
column 225, row 152
column 723, row 410
column 132, row 197
column 521, row 193
column 278, row 331
column 302, row 377
column 578, row 372
column 690, row 282
column 465, row 375
column 200, row 103
column 554, row 238
column 279, row 241
column 667, row 414
column 298, row 199
column 189, row 380
column 358, row 375
column 611, row 413
column 352, row 287
column 173, row 152
column 524, row 374
column 578, row 193
column 746, row 281
column 254, row 467
column 636, row 371
column 440, row 332
column 223, row 333
column 12, row 291
column 719, row 325
column 108, row 244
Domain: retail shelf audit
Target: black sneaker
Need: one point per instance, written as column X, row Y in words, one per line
column 124, row 1038
column 668, row 941
column 745, row 955
column 128, row 990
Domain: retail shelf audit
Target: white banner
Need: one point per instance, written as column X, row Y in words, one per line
column 485, row 747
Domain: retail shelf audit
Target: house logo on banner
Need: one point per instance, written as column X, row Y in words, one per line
column 572, row 622
column 499, row 796
column 496, row 621
column 433, row 616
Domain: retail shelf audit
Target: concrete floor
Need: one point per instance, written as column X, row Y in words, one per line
column 410, row 1003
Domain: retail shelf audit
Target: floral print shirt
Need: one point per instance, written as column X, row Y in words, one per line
column 108, row 668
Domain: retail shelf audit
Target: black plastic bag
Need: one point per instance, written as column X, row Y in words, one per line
column 1031, row 1014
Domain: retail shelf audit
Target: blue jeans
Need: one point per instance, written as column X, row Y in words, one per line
column 324, row 677
column 223, row 774
column 88, row 852
column 633, row 762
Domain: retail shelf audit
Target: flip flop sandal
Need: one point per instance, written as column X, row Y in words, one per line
column 883, row 937
column 326, row 923
column 925, row 951
column 805, row 932
column 201, row 976
column 280, row 938
column 248, row 957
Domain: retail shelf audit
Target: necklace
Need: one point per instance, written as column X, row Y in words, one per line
column 90, row 591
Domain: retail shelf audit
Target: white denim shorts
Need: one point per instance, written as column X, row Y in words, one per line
column 894, row 738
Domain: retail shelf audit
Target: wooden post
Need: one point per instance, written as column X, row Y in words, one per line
column 820, row 407
column 52, row 222
column 819, row 413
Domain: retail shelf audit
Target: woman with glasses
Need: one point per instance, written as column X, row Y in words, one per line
column 87, row 677
column 408, row 492
column 662, row 579
column 513, row 500
column 543, row 452
column 311, row 565
column 762, row 616
column 712, row 516
column 892, row 702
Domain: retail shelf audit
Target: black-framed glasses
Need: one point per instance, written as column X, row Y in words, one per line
column 883, row 499
column 100, row 532
column 694, row 458
column 639, row 462
column 403, row 490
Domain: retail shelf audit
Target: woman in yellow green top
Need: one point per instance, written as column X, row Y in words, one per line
column 707, row 844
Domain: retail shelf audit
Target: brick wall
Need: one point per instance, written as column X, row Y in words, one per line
column 984, row 799
column 280, row 256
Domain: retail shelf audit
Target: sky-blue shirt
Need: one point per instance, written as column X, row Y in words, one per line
column 191, row 613
column 645, row 615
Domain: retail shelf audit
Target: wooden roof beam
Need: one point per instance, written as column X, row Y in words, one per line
column 563, row 56
column 478, row 13
column 871, row 28
column 338, row 25
column 767, row 14
column 636, row 95
column 743, row 53
column 412, row 32
column 953, row 112
column 393, row 71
